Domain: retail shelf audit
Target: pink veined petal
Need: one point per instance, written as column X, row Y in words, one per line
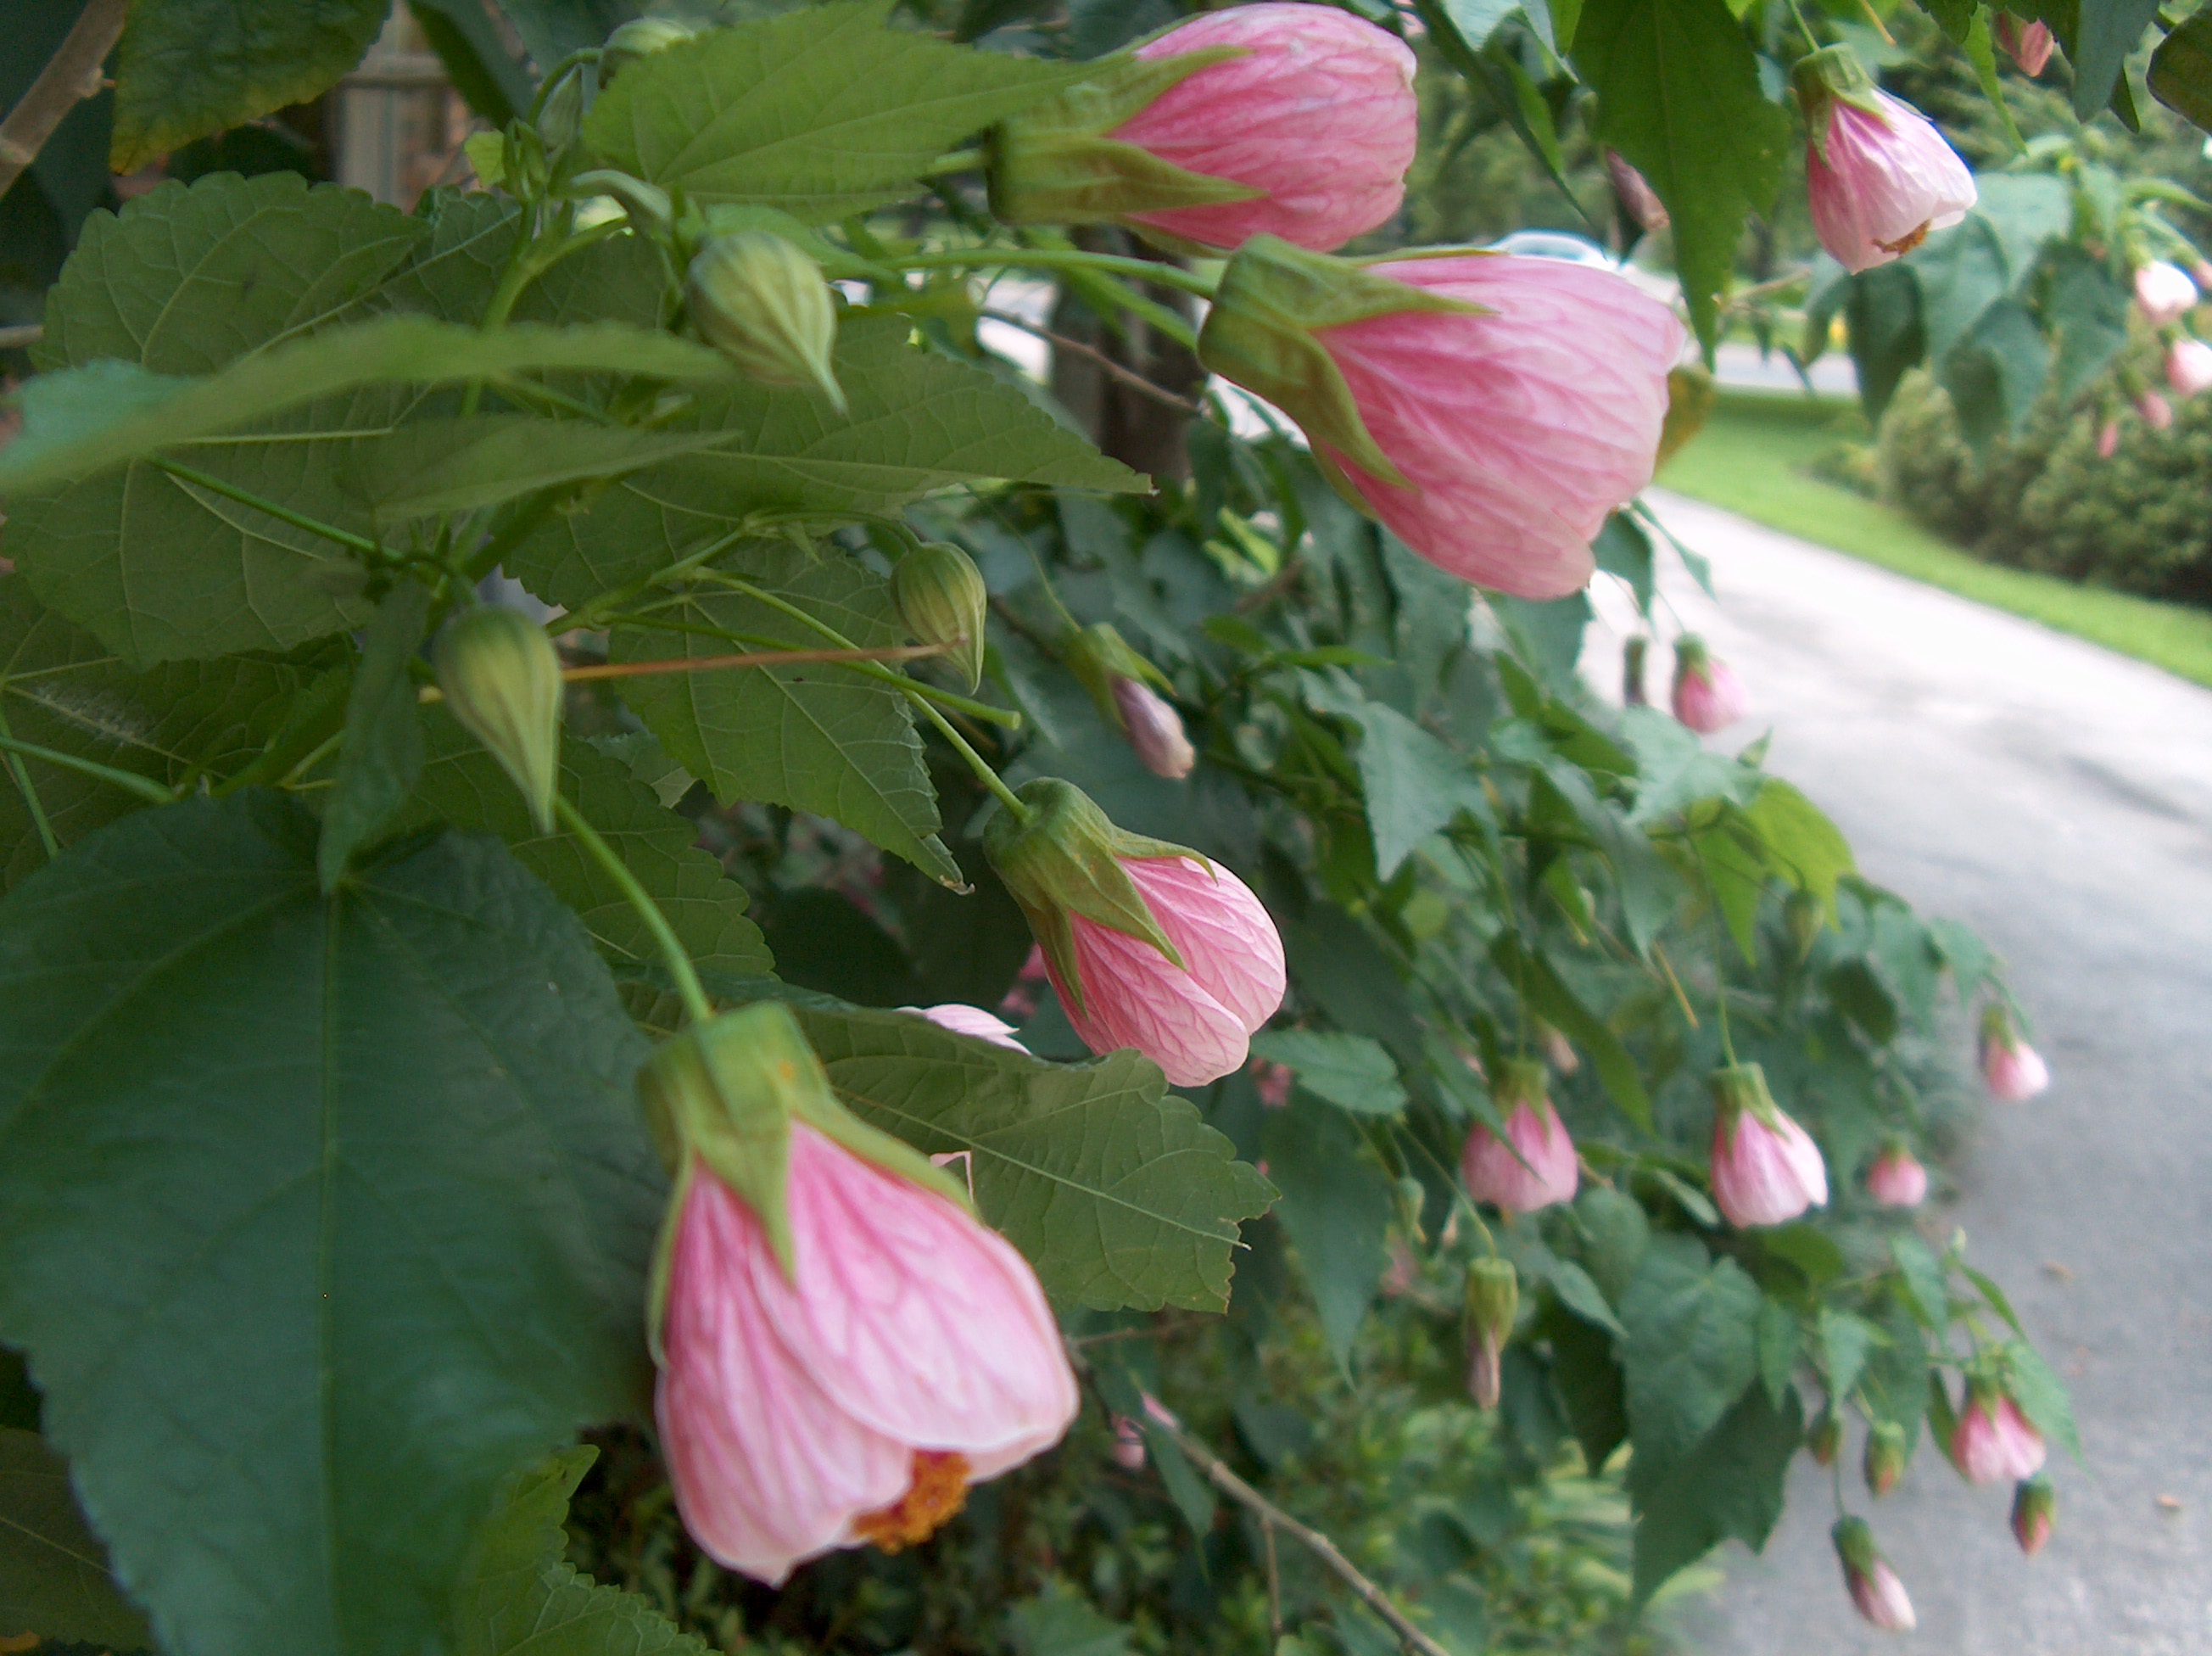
column 1220, row 928
column 963, row 1019
column 1763, row 1175
column 1493, row 1172
column 1518, row 431
column 769, row 1470
column 919, row 1322
column 1884, row 179
column 1135, row 996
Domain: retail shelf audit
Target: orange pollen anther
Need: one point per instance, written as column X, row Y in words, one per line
column 939, row 1489
column 1908, row 241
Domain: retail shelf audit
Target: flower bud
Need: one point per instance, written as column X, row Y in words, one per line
column 1120, row 681
column 1897, row 1179
column 2108, row 440
column 1290, row 119
column 1804, row 916
column 1708, row 694
column 2011, row 1068
column 1876, row 1593
column 502, row 681
column 1493, row 1300
column 1129, row 1444
column 1826, row 1438
column 2157, row 412
column 1559, row 1051
column 1637, row 199
column 1149, row 945
column 1878, row 176
column 562, row 113
column 1992, row 1442
column 1634, row 655
column 637, row 39
column 2165, row 292
column 762, row 303
column 2030, row 44
column 1766, row 1167
column 2034, row 1513
column 1886, row 1455
column 1154, row 729
column 1533, row 1165
column 1397, row 370
column 2189, row 366
column 942, row 599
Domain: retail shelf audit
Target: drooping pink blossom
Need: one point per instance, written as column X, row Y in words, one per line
column 910, row 1353
column 1765, row 1170
column 1993, row 1441
column 2108, row 440
column 2029, row 43
column 2157, row 412
column 1194, row 1020
column 2189, row 366
column 1880, row 1597
column 2163, row 292
column 1709, row 696
column 1897, row 1179
column 2012, row 1069
column 971, row 1020
column 1879, row 179
column 1319, row 114
column 1533, row 1165
column 1518, row 431
column 1154, row 729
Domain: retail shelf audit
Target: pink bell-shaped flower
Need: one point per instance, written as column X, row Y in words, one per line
column 843, row 1347
column 963, row 1019
column 2189, row 366
column 1876, row 1593
column 2165, row 293
column 1709, row 696
column 2011, row 1068
column 2029, row 43
column 2034, row 1513
column 1897, row 1179
column 1766, row 1169
column 1149, row 945
column 1489, row 408
column 1533, row 1165
column 1993, row 1441
column 1878, row 175
column 1279, row 119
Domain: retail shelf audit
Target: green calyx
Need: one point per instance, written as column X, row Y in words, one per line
column 1519, row 1082
column 1739, row 1088
column 1854, row 1540
column 1832, row 75
column 1097, row 655
column 720, row 1099
column 761, row 302
column 1064, row 859
column 637, row 39
column 501, row 679
column 942, row 599
column 1493, row 1299
column 1274, row 301
column 1056, row 164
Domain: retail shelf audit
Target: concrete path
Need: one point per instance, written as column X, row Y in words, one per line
column 2058, row 799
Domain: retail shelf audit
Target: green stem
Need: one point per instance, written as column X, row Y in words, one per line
column 960, row 160
column 30, row 793
column 696, row 1006
column 592, row 614
column 1812, row 40
column 1059, row 259
column 981, row 766
column 129, row 780
column 345, row 537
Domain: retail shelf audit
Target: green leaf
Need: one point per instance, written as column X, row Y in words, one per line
column 1780, row 1335
column 821, row 113
column 2086, row 308
column 1353, row 1072
column 464, row 785
column 2181, row 70
column 1881, row 310
column 430, row 467
column 382, row 758
column 1692, row 1346
column 1336, row 1206
column 1928, row 1295
column 2042, row 1395
column 1550, row 998
column 1799, row 840
column 517, row 1593
column 1113, row 1189
column 1679, row 95
column 1674, row 770
column 54, row 1579
column 1845, row 1342
column 1590, row 1384
column 2103, row 33
column 1059, row 1622
column 1477, row 20
column 1731, row 1485
column 1415, row 786
column 481, row 69
column 187, row 68
column 389, row 1204
column 824, row 738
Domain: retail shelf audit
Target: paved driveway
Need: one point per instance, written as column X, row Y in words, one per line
column 2058, row 799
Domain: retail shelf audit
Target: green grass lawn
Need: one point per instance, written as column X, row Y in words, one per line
column 1752, row 456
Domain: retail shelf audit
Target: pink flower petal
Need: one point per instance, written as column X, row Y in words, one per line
column 1218, row 926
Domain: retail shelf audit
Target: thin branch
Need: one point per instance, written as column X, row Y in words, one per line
column 1270, row 1515
column 1129, row 377
column 766, row 658
column 71, row 76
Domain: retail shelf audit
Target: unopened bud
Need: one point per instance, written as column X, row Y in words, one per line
column 1154, row 729
column 502, row 681
column 1804, row 914
column 762, row 303
column 2034, row 1513
column 1826, row 1438
column 638, row 39
column 1884, row 1457
column 1129, row 1444
column 942, row 599
column 1493, row 1300
column 522, row 170
column 1558, row 1050
column 1124, row 688
column 562, row 113
column 1876, row 1593
column 1637, row 199
column 1633, row 654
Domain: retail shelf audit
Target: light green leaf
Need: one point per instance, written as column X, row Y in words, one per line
column 2042, row 1395
column 1353, row 1072
column 823, row 112
column 437, row 465
column 389, row 1204
column 1113, row 1189
column 1810, row 850
column 1927, row 1293
column 1415, row 786
column 1845, row 1343
column 382, row 756
column 1679, row 95
column 1730, row 1485
column 822, row 738
column 1336, row 1206
column 1692, row 1346
column 464, row 785
column 189, row 68
column 54, row 1579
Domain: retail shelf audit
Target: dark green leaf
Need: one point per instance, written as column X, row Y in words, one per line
column 2105, row 31
column 1415, row 785
column 1590, row 1384
column 1962, row 271
column 1336, row 1205
column 1679, row 95
column 1353, row 1072
column 1929, row 1297
column 54, row 1579
column 1730, row 1486
column 2086, row 307
column 1550, row 998
column 1060, row 1622
column 382, row 758
column 389, row 1207
column 483, row 70
column 1859, row 994
column 187, row 68
column 1997, row 374
column 1995, row 1297
column 1616, row 1230
column 1692, row 1346
column 1624, row 550
column 1845, row 1342
column 1882, row 312
column 1113, row 1189
column 1579, row 1294
column 2042, row 1397
column 1780, row 1335
column 2181, row 70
